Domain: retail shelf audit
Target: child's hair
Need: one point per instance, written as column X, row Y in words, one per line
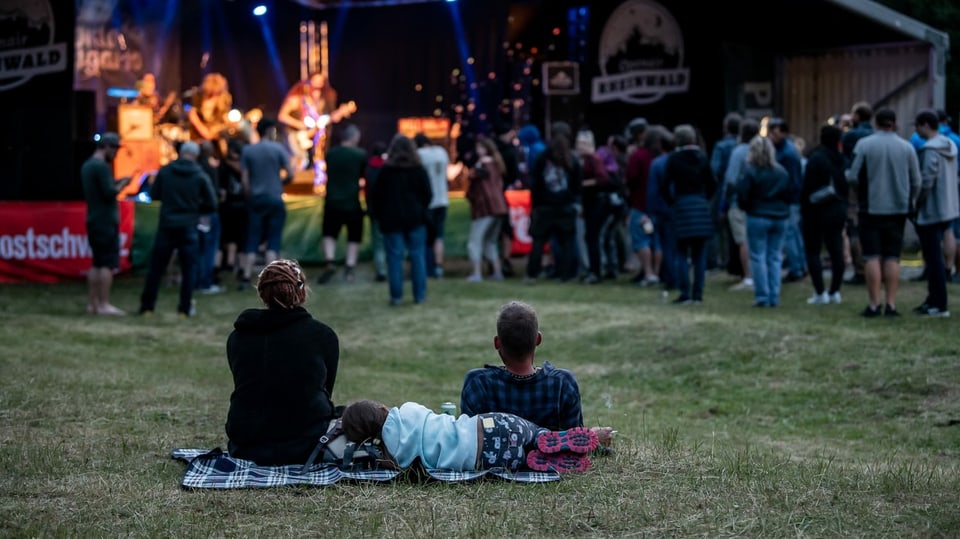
column 282, row 285
column 517, row 327
column 363, row 420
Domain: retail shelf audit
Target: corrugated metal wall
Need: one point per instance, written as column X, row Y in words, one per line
column 817, row 86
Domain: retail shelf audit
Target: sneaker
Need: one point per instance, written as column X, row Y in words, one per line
column 562, row 462
column 576, row 440
column 651, row 280
column 380, row 278
column 438, row 273
column 497, row 277
column 348, row 274
column 835, row 298
column 932, row 312
column 871, row 312
column 530, row 281
column 746, row 284
column 819, row 299
column 682, row 300
column 890, row 310
column 212, row 289
column 243, row 284
column 590, row 279
column 474, row 278
column 760, row 304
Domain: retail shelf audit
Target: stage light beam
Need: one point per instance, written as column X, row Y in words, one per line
column 260, row 10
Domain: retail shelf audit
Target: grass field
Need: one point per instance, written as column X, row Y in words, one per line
column 796, row 422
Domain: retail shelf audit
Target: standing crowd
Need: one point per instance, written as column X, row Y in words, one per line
column 658, row 196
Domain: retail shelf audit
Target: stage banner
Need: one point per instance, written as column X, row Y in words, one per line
column 117, row 41
column 47, row 241
column 520, row 208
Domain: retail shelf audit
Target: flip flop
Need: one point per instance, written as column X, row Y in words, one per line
column 575, row 440
column 561, row 462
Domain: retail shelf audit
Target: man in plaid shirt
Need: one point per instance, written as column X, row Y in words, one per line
column 547, row 396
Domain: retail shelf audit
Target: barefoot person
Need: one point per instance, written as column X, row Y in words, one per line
column 100, row 191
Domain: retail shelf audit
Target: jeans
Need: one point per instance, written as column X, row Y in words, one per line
column 663, row 231
column 765, row 238
column 414, row 243
column 793, row 244
column 931, row 238
column 185, row 240
column 376, row 245
column 209, row 245
column 695, row 249
column 484, row 239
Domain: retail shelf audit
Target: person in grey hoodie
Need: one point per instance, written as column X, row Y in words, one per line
column 937, row 206
column 184, row 191
column 886, row 196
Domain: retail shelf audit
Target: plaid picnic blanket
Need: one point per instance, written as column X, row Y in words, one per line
column 215, row 469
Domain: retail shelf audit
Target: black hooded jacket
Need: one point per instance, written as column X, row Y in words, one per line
column 185, row 192
column 284, row 364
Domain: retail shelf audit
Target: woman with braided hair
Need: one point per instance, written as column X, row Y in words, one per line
column 284, row 364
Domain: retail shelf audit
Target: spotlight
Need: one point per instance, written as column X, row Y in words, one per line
column 260, row 10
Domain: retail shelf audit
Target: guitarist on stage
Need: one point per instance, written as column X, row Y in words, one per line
column 208, row 113
column 307, row 106
column 147, row 95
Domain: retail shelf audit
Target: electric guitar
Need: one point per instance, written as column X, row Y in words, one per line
column 317, row 125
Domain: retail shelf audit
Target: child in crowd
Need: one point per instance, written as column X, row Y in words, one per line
column 497, row 440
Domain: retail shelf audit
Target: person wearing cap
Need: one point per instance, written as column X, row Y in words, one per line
column 100, row 191
column 185, row 192
column 789, row 158
column 887, row 192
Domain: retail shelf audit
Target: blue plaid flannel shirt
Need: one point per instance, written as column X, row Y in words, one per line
column 550, row 398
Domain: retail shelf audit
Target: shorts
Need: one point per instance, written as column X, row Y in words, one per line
column 505, row 439
column 265, row 223
column 881, row 236
column 105, row 244
column 639, row 239
column 334, row 220
column 436, row 218
column 955, row 226
column 738, row 225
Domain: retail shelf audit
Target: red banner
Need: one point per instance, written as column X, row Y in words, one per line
column 520, row 206
column 47, row 241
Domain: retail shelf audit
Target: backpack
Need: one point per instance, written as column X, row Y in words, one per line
column 334, row 448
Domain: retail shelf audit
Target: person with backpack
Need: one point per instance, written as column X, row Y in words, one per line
column 284, row 364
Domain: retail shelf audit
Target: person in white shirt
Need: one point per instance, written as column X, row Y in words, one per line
column 435, row 159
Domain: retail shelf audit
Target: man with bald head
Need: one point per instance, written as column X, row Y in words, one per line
column 185, row 192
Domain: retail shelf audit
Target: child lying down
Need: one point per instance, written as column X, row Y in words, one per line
column 466, row 443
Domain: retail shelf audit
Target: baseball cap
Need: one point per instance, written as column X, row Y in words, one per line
column 108, row 139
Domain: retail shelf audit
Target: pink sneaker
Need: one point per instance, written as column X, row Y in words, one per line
column 576, row 440
column 560, row 462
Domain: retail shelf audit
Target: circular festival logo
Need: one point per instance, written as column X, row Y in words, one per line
column 26, row 37
column 641, row 54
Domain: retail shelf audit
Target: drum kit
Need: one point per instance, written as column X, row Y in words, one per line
column 237, row 125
